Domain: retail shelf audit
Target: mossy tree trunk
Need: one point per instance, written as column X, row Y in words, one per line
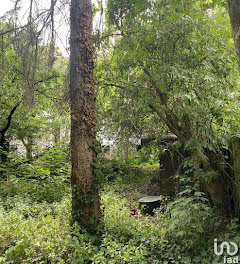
column 235, row 166
column 85, row 198
column 217, row 186
column 234, row 14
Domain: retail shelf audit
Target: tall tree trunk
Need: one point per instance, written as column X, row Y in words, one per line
column 234, row 14
column 85, row 198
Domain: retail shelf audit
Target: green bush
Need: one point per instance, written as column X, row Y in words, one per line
column 44, row 179
column 190, row 215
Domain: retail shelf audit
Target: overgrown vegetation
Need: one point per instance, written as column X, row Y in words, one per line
column 167, row 107
column 35, row 222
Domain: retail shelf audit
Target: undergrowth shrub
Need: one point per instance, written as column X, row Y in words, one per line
column 190, row 214
column 44, row 179
column 36, row 231
column 42, row 233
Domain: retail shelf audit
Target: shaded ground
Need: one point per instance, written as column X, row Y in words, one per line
column 135, row 183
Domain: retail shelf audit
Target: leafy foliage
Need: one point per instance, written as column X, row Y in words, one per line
column 174, row 65
column 45, row 179
column 163, row 66
column 190, row 215
column 30, row 124
column 41, row 232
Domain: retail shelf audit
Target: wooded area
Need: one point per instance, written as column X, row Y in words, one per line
column 127, row 150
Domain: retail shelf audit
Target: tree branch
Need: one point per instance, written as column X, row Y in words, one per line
column 47, row 79
column 9, row 119
column 24, row 26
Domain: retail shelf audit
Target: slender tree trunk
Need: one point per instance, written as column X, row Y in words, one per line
column 28, row 146
column 234, row 14
column 85, row 198
column 57, row 135
column 4, row 148
column 235, row 173
column 4, row 145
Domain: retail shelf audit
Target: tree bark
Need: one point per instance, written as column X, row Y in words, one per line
column 4, row 145
column 234, row 14
column 217, row 188
column 85, row 198
column 235, row 173
column 57, row 135
column 28, row 146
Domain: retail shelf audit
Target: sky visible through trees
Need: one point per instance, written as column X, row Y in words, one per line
column 62, row 20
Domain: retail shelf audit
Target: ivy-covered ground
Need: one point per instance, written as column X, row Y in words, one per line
column 35, row 220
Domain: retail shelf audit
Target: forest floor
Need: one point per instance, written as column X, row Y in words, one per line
column 35, row 225
column 134, row 184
